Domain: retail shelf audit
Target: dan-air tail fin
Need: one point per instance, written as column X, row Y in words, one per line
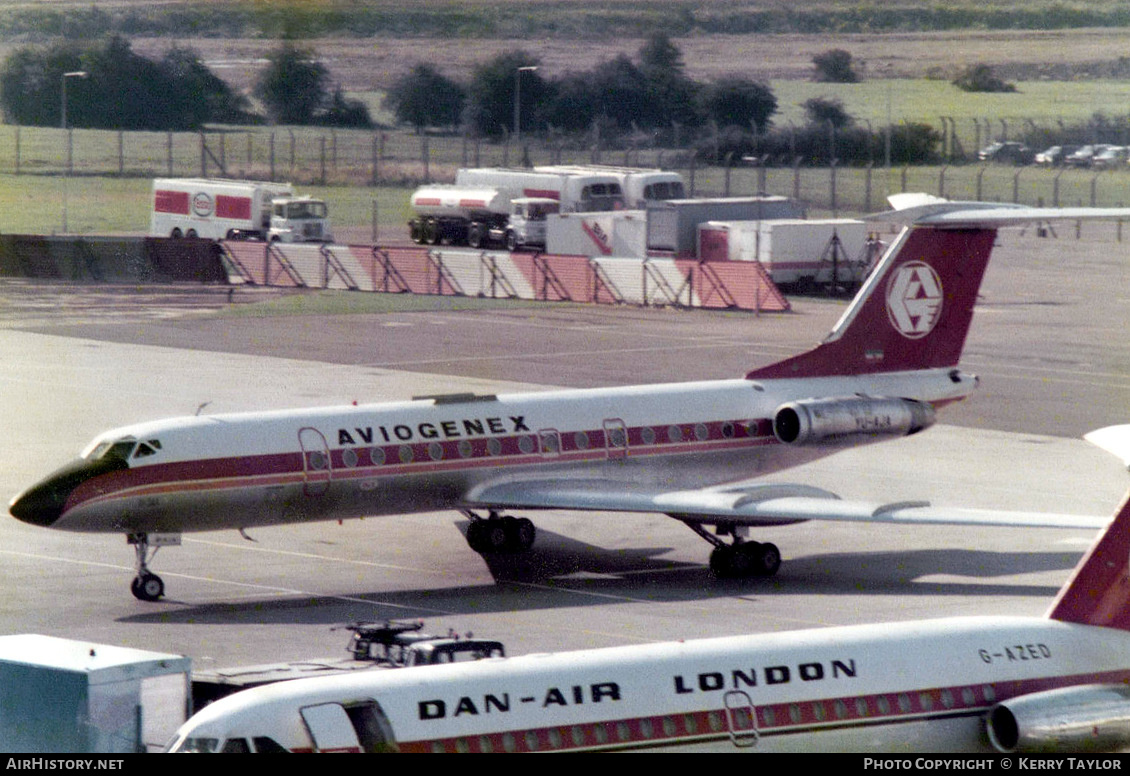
column 1098, row 592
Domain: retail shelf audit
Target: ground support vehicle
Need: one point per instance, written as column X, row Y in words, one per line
column 389, row 644
column 576, row 191
column 478, row 217
column 236, row 210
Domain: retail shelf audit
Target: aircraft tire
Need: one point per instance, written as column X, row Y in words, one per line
column 475, row 535
column 523, row 534
column 147, row 587
column 748, row 559
column 767, row 559
column 489, row 536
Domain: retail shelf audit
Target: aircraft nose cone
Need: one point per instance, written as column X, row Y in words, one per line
column 43, row 503
column 39, row 505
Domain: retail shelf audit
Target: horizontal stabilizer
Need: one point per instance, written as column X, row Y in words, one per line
column 928, row 210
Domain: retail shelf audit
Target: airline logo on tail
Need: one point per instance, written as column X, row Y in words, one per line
column 914, row 299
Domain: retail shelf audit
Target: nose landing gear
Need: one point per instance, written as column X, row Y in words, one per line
column 147, row 586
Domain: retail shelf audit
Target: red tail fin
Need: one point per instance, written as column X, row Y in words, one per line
column 912, row 313
column 1098, row 592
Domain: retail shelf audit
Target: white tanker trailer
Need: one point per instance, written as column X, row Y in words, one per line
column 478, row 216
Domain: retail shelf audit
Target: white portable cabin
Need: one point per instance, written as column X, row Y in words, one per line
column 59, row 695
column 791, row 250
column 672, row 226
column 577, row 193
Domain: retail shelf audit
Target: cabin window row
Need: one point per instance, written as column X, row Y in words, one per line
column 548, row 442
column 736, row 721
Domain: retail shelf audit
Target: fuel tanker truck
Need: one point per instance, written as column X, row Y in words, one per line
column 479, row 216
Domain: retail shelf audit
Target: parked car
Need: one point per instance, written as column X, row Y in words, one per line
column 1055, row 156
column 1084, row 156
column 1111, row 158
column 1006, row 152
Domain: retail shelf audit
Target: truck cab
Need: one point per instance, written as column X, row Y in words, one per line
column 527, row 221
column 299, row 219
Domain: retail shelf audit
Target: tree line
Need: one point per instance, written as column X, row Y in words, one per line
column 109, row 86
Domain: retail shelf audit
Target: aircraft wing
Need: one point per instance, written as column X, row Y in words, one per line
column 760, row 504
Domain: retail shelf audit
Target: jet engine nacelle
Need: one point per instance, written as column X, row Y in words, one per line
column 1087, row 718
column 812, row 421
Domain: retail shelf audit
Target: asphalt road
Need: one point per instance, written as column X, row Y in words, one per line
column 1047, row 341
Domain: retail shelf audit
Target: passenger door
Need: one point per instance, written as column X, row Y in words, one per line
column 317, row 466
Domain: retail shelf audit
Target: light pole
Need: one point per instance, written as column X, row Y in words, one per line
column 518, row 101
column 67, row 139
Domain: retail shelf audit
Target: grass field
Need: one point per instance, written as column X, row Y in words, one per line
column 32, row 204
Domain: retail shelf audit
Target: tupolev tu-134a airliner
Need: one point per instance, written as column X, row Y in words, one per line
column 1056, row 684
column 688, row 450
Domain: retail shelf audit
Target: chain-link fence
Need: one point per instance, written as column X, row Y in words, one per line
column 394, row 158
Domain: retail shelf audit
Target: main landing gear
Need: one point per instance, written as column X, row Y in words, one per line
column 497, row 534
column 742, row 558
column 147, row 586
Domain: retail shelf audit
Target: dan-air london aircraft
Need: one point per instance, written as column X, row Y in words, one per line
column 688, row 450
column 1054, row 684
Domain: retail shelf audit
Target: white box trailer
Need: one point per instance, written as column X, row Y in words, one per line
column 581, row 192
column 672, row 226
column 642, row 186
column 793, row 251
column 60, row 695
column 622, row 233
column 219, row 209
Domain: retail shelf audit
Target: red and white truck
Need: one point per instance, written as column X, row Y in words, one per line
column 236, row 210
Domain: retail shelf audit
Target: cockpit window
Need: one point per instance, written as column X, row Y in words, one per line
column 121, row 449
column 147, row 448
column 197, row 746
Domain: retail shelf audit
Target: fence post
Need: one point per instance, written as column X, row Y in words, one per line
column 692, row 171
column 1016, row 186
column 322, row 158
column 728, row 162
column 867, row 188
column 375, row 161
column 980, row 175
column 832, row 175
column 942, row 181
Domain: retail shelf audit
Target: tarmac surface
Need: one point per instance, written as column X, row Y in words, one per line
column 1048, row 342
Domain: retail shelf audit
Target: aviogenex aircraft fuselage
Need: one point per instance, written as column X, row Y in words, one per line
column 688, row 450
